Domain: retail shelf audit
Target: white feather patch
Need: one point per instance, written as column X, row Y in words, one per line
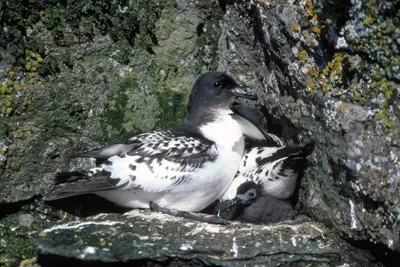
column 248, row 128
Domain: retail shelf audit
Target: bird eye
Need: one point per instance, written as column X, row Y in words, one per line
column 218, row 84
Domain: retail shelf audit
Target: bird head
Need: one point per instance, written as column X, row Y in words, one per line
column 216, row 89
column 247, row 193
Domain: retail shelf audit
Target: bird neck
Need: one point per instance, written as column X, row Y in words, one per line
column 222, row 129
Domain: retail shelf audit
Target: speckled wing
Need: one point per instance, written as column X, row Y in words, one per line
column 133, row 143
column 160, row 165
column 154, row 162
column 276, row 169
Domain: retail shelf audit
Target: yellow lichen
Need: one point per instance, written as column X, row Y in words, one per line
column 7, row 103
column 303, row 55
column 27, row 262
column 337, row 62
column 316, row 30
column 326, row 71
column 324, row 86
column 388, row 123
column 368, row 21
column 42, row 86
column 310, row 84
column 295, row 27
column 42, row 234
column 3, row 89
column 313, row 71
column 309, row 12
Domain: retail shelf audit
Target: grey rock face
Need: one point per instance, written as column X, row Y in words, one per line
column 277, row 48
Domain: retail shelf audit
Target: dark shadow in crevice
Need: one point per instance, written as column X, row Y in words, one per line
column 11, row 208
column 86, row 205
column 381, row 253
column 54, row 260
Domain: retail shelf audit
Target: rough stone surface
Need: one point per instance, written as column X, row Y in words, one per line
column 311, row 91
column 140, row 236
column 85, row 74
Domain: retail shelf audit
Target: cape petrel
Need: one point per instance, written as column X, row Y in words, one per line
column 269, row 163
column 184, row 168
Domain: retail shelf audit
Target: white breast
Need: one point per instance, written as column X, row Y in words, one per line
column 224, row 131
column 209, row 182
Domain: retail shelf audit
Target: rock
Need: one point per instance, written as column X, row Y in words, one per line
column 312, row 91
column 26, row 220
column 139, row 237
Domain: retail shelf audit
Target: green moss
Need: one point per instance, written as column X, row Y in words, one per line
column 51, row 17
column 114, row 115
column 173, row 108
column 132, row 109
column 18, row 248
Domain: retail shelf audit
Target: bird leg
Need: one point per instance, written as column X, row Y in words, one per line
column 188, row 215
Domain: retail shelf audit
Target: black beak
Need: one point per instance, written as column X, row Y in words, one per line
column 244, row 93
column 239, row 201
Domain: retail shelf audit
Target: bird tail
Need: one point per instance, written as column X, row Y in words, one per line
column 66, row 185
column 297, row 160
column 303, row 151
column 287, row 169
column 288, row 152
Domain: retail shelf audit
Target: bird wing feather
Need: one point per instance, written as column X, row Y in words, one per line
column 154, row 162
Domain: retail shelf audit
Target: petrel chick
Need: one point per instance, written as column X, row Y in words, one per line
column 253, row 205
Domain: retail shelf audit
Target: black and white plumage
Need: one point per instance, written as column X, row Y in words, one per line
column 253, row 205
column 272, row 165
column 276, row 169
column 184, row 168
